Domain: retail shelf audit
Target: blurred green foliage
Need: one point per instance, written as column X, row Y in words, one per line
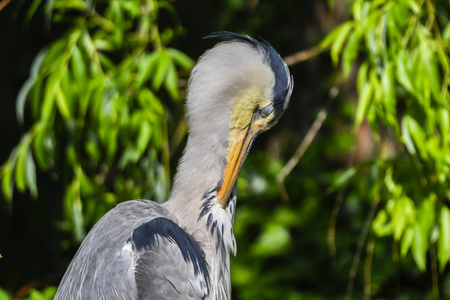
column 368, row 214
column 47, row 294
column 99, row 126
column 403, row 87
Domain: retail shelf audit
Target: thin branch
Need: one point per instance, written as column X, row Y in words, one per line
column 303, row 55
column 331, row 235
column 434, row 272
column 178, row 136
column 3, row 4
column 309, row 137
column 357, row 256
column 368, row 268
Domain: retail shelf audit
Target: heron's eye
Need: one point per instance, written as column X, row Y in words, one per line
column 266, row 110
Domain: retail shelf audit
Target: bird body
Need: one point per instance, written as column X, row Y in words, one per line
column 181, row 249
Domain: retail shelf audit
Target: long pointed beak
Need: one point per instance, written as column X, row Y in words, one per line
column 240, row 146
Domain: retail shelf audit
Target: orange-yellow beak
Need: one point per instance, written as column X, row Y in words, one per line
column 240, row 145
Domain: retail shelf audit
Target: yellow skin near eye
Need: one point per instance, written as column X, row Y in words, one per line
column 244, row 127
column 243, row 109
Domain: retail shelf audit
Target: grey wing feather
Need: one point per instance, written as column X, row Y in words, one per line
column 162, row 273
column 118, row 280
column 112, row 262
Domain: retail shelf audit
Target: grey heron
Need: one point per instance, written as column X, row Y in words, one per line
column 181, row 249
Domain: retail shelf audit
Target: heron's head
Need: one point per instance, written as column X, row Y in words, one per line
column 238, row 89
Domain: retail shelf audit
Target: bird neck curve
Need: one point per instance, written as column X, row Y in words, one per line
column 200, row 170
column 193, row 201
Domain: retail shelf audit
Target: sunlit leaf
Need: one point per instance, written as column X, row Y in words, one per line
column 273, row 240
column 31, row 175
column 164, row 63
column 380, row 225
column 32, row 10
column 407, row 241
column 363, row 103
column 444, row 237
column 403, row 72
column 417, row 134
column 399, row 219
column 342, row 179
column 20, row 170
column 6, row 175
column 62, row 104
column 171, row 82
column 146, row 66
column 180, row 58
column 144, row 136
column 332, row 36
column 78, row 66
column 26, row 87
column 362, row 76
column 350, row 52
column 419, row 248
column 340, row 37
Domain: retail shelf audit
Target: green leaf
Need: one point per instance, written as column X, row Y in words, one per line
column 149, row 101
column 144, row 136
column 130, row 155
column 399, row 219
column 40, row 149
column 20, row 171
column 363, row 103
column 73, row 209
column 163, row 65
column 332, row 36
column 78, row 66
column 414, row 6
column 86, row 186
column 31, row 11
column 417, row 134
column 350, row 52
column 446, row 33
column 26, row 87
column 444, row 126
column 403, row 72
column 419, row 248
column 407, row 140
column 388, row 85
column 342, row 179
column 434, row 79
column 6, row 175
column 362, row 76
column 407, row 240
column 444, row 237
column 31, row 175
column 341, row 35
column 171, row 82
column 51, row 87
column 4, row 295
column 61, row 102
column 380, row 224
column 273, row 240
column 180, row 58
column 48, row 12
column 146, row 65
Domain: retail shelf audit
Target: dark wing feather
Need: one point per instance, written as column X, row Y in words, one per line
column 119, row 260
